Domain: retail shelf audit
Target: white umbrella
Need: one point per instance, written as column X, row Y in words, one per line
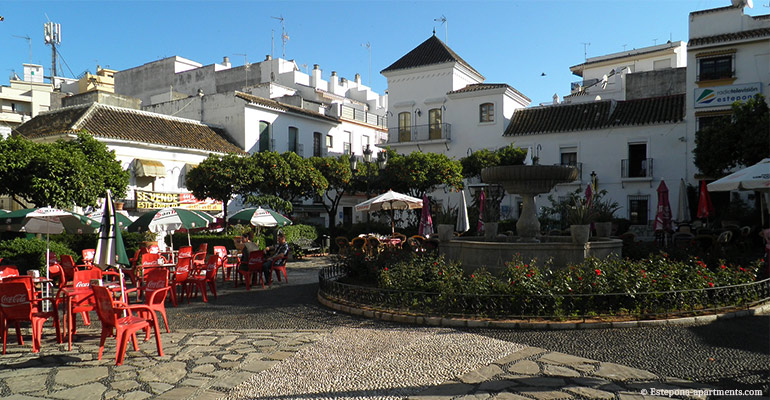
column 755, row 177
column 390, row 201
column 683, row 205
column 462, row 216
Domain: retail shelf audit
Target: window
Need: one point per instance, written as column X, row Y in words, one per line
column 487, row 112
column 293, row 138
column 637, row 161
column 364, row 142
column 569, row 156
column 346, row 148
column 317, row 144
column 264, row 136
column 638, row 209
column 404, row 126
column 715, row 68
column 434, row 119
column 329, row 141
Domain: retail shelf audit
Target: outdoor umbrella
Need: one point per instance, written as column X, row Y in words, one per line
column 462, row 216
column 683, row 205
column 426, row 222
column 260, row 217
column 168, row 220
column 110, row 249
column 755, row 177
column 705, row 208
column 123, row 221
column 482, row 200
column 390, row 201
column 663, row 215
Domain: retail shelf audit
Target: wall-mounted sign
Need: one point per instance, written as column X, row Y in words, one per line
column 725, row 95
column 157, row 200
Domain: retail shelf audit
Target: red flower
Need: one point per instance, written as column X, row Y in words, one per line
column 598, row 272
column 529, row 276
column 580, row 278
column 386, row 268
column 473, row 276
column 722, row 266
column 711, row 284
column 742, row 269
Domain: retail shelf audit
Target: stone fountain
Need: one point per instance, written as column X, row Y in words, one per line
column 527, row 181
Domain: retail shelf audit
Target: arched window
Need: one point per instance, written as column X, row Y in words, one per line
column 405, row 126
column 487, row 112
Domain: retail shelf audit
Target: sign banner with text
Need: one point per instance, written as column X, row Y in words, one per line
column 725, row 95
column 157, row 200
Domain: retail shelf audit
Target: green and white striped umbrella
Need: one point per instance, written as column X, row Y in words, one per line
column 168, row 220
column 259, row 217
column 123, row 221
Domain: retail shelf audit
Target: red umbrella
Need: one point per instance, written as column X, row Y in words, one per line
column 482, row 199
column 663, row 215
column 589, row 195
column 426, row 222
column 705, row 208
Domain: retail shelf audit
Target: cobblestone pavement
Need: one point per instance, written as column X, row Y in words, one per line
column 280, row 343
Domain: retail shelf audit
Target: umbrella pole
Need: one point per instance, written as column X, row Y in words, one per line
column 188, row 238
column 46, row 305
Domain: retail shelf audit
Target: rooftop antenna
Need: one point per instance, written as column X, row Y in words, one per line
column 52, row 32
column 444, row 22
column 655, row 42
column 29, row 42
column 369, row 47
column 284, row 35
column 585, row 50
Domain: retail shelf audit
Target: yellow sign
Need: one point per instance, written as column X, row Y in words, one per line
column 158, row 200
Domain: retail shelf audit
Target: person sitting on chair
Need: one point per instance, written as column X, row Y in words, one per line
column 248, row 247
column 281, row 249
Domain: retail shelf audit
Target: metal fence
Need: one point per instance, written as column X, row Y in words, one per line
column 642, row 305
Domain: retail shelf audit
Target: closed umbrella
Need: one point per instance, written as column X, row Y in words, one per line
column 705, row 208
column 663, row 214
column 260, row 217
column 683, row 205
column 482, row 200
column 462, row 216
column 426, row 222
column 392, row 201
column 110, row 249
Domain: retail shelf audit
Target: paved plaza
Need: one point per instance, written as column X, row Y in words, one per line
column 280, row 343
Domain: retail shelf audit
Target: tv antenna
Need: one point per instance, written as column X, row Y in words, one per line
column 585, row 50
column 444, row 22
column 369, row 47
column 284, row 35
column 29, row 42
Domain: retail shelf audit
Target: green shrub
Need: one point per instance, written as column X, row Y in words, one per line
column 29, row 254
column 180, row 239
column 294, row 232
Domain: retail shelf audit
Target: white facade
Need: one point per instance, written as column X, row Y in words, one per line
column 23, row 99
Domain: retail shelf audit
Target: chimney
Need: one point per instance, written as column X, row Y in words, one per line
column 333, row 82
column 268, row 57
column 315, row 76
column 555, row 98
column 226, row 61
column 358, row 79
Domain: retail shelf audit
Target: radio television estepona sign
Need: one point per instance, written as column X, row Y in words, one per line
column 725, row 95
column 158, row 200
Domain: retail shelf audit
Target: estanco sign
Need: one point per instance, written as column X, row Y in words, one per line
column 725, row 95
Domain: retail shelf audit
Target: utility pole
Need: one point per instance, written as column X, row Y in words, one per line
column 284, row 35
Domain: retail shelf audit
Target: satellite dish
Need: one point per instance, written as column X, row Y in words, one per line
column 743, row 3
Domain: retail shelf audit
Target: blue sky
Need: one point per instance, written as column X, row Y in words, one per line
column 511, row 42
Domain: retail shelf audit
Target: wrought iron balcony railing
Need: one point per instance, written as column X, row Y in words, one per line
column 420, row 133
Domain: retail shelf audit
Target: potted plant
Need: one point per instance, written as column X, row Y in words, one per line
column 445, row 219
column 579, row 217
column 605, row 213
column 149, row 238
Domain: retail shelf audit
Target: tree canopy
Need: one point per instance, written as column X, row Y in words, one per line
column 219, row 178
column 418, row 173
column 59, row 174
column 742, row 140
column 338, row 176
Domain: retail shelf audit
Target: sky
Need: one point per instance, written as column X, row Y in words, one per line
column 512, row 42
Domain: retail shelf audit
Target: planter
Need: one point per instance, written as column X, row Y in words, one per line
column 445, row 232
column 490, row 230
column 149, row 243
column 118, row 205
column 580, row 233
column 603, row 229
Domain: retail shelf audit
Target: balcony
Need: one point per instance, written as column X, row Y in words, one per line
column 351, row 113
column 420, row 134
column 579, row 166
column 636, row 170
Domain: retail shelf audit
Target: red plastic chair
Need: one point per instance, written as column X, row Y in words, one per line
column 88, row 256
column 179, row 278
column 68, row 264
column 110, row 312
column 18, row 306
column 203, row 278
column 185, row 252
column 279, row 266
column 203, row 247
column 156, row 289
column 253, row 266
column 7, row 271
column 56, row 272
column 131, row 272
column 82, row 302
column 227, row 267
column 198, row 260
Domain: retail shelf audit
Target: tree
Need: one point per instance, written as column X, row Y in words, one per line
column 59, row 174
column 741, row 140
column 418, row 173
column 338, row 176
column 220, row 178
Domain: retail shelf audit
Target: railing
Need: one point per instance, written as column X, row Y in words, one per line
column 579, row 168
column 351, row 113
column 640, row 305
column 640, row 168
column 420, row 133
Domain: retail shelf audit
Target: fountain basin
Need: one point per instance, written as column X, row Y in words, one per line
column 473, row 253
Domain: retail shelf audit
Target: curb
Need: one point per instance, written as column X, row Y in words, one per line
column 478, row 323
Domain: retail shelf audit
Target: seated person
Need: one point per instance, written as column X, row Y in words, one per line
column 248, row 247
column 281, row 249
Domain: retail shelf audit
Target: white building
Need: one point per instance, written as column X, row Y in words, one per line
column 24, row 98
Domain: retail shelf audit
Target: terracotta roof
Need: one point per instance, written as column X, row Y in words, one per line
column 283, row 107
column 596, row 115
column 476, row 87
column 429, row 52
column 729, row 37
column 128, row 124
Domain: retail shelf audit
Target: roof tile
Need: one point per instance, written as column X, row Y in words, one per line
column 430, row 52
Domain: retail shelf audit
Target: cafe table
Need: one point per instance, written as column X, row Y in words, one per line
column 69, row 293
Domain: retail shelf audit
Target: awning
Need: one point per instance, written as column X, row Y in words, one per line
column 188, row 167
column 149, row 168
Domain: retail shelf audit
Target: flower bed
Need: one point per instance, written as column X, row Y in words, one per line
column 650, row 288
